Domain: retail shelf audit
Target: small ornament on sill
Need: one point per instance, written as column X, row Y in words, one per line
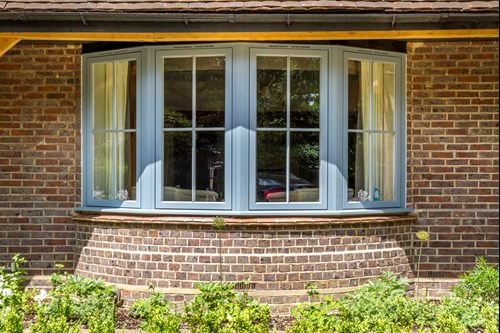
column 376, row 194
column 122, row 194
column 363, row 195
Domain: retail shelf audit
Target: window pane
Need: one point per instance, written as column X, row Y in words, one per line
column 304, row 167
column 103, row 96
column 383, row 169
column 304, row 92
column 103, row 166
column 271, row 166
column 178, row 92
column 210, row 166
column 358, row 166
column 271, row 91
column 177, row 166
column 359, row 94
column 383, row 96
column 210, row 91
column 126, row 87
column 125, row 166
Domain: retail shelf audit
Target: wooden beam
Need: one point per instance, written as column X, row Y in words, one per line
column 6, row 44
column 251, row 36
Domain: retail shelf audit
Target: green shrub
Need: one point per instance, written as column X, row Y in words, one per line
column 218, row 309
column 11, row 320
column 75, row 299
column 53, row 324
column 13, row 297
column 383, row 307
column 479, row 284
column 157, row 314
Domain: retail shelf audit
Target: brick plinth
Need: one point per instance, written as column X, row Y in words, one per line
column 278, row 256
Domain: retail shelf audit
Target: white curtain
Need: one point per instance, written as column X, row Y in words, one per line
column 383, row 120
column 103, row 120
column 377, row 114
column 122, row 122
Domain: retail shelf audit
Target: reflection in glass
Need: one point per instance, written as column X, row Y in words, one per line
column 178, row 166
column 355, row 102
column 271, row 166
column 178, row 92
column 210, row 166
column 103, row 166
column 304, row 92
column 205, row 79
column 383, row 160
column 304, row 167
column 126, row 165
column 271, row 91
column 358, row 171
column 210, row 91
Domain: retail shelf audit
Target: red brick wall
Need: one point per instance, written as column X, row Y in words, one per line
column 39, row 153
column 277, row 255
column 453, row 151
column 452, row 154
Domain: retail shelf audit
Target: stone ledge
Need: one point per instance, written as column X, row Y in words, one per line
column 240, row 221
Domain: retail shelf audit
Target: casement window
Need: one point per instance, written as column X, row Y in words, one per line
column 244, row 129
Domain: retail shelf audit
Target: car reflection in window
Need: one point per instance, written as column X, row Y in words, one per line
column 271, row 187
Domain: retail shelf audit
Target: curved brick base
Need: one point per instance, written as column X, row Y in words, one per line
column 278, row 256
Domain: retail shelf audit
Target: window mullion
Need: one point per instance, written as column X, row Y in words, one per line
column 193, row 133
column 287, row 165
column 114, row 134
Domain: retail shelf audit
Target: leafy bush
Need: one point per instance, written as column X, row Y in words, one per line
column 11, row 320
column 382, row 306
column 480, row 284
column 76, row 300
column 218, row 309
column 157, row 314
column 13, row 298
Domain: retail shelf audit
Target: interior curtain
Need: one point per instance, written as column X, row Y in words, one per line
column 383, row 119
column 103, row 120
column 123, row 155
column 362, row 175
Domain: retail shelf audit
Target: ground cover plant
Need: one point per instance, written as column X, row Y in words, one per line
column 384, row 306
column 74, row 303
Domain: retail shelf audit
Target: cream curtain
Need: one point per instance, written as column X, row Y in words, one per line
column 375, row 161
column 122, row 122
column 113, row 152
column 383, row 120
column 103, row 120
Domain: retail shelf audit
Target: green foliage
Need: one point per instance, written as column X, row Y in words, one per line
column 75, row 299
column 13, row 298
column 157, row 314
column 53, row 324
column 11, row 320
column 479, row 284
column 383, row 307
column 218, row 309
column 103, row 319
column 312, row 290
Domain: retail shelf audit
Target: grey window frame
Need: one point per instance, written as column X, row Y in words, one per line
column 88, row 120
column 240, row 133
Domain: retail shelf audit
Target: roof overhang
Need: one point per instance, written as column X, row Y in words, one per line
column 213, row 27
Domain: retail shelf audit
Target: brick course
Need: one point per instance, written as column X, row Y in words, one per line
column 278, row 257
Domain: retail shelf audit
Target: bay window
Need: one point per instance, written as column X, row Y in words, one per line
column 244, row 129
